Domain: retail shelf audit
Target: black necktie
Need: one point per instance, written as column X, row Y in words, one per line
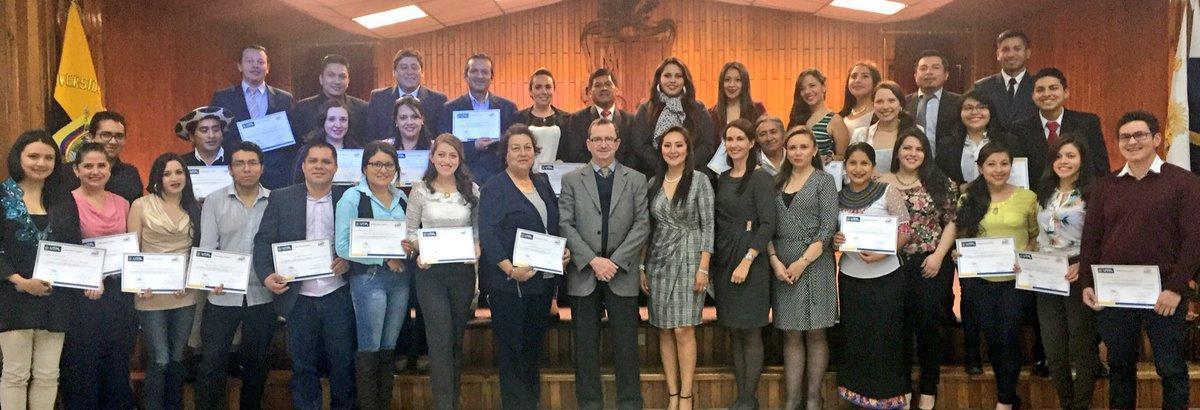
column 1012, row 88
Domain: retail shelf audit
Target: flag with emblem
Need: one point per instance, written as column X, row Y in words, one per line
column 76, row 87
column 1183, row 109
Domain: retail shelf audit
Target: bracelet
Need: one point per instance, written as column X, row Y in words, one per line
column 704, row 271
column 749, row 256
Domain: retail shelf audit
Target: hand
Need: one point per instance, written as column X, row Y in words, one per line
column 478, row 253
column 796, row 270
column 339, row 266
column 701, row 281
column 838, row 240
column 35, row 287
column 410, row 247
column 931, row 266
column 145, row 294
column 276, row 283
column 740, row 272
column 780, row 271
column 522, row 274
column 395, row 265
column 219, row 290
column 566, row 256
column 94, row 294
column 645, row 282
column 179, row 294
column 1016, row 268
column 482, row 143
column 1167, row 302
column 421, row 263
column 1089, row 299
column 1073, row 272
column 604, row 268
column 870, row 257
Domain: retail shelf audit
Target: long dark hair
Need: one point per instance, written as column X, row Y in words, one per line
column 660, row 172
column 905, row 119
column 785, row 171
column 187, row 198
column 350, row 140
column 849, row 100
column 935, row 182
column 744, row 102
column 688, row 98
column 751, row 156
column 424, row 136
column 49, row 186
column 376, row 147
column 462, row 175
column 1050, row 180
column 975, row 203
column 801, row 112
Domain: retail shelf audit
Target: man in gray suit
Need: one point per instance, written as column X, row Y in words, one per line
column 605, row 220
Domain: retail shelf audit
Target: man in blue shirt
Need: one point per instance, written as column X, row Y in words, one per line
column 482, row 155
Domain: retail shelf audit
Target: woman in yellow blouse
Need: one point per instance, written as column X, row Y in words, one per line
column 994, row 208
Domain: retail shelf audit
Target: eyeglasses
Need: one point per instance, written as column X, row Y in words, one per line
column 969, row 108
column 106, row 136
column 1140, row 136
column 606, row 140
column 382, row 165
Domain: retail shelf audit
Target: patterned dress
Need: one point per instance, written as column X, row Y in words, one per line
column 820, row 130
column 810, row 302
column 680, row 234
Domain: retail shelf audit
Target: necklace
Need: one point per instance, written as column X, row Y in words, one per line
column 906, row 183
column 857, row 110
column 672, row 181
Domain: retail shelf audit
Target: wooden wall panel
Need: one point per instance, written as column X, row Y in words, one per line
column 27, row 44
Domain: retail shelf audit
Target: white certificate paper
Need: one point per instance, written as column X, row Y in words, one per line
column 539, row 251
column 270, row 132
column 720, row 161
column 865, row 233
column 1019, row 175
column 555, row 172
column 69, row 266
column 446, row 245
column 159, row 272
column 1127, row 286
column 206, row 180
column 986, row 257
column 836, row 169
column 209, row 269
column 377, row 238
column 1043, row 272
column 303, row 260
column 469, row 125
column 349, row 170
column 116, row 246
column 412, row 166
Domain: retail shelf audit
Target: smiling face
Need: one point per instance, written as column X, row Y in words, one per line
column 519, row 153
column 800, row 150
column 602, row 91
column 174, row 178
column 674, row 149
column 975, row 115
column 541, row 90
column 37, row 161
column 737, row 144
column 254, row 66
column 931, row 73
column 731, row 83
column 1067, row 162
column 479, row 75
column 770, row 137
column 912, row 153
column 1137, row 143
column 860, row 81
column 812, row 90
column 445, row 159
column 1049, row 94
column 671, row 80
column 93, row 170
column 1012, row 54
column 380, row 170
column 409, row 121
column 886, row 104
column 319, row 166
column 335, row 78
column 996, row 168
column 112, row 135
column 602, row 143
column 407, row 73
column 337, row 121
column 859, row 168
column 207, row 137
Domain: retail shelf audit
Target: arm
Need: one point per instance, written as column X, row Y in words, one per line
column 412, row 215
column 629, row 254
column 704, row 205
column 764, row 204
column 133, row 222
column 1093, row 233
column 1031, row 225
column 1188, row 261
column 840, row 135
column 581, row 252
column 268, row 233
column 345, row 212
column 210, row 235
column 491, row 215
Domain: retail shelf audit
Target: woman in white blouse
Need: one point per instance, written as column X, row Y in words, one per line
column 888, row 102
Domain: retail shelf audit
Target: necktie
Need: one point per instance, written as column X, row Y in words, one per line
column 921, row 109
column 254, row 106
column 1012, row 88
column 1052, row 127
column 605, row 113
column 604, row 172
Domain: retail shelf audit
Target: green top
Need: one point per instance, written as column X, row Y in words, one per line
column 1015, row 217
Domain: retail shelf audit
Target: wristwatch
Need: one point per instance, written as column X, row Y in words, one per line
column 749, row 256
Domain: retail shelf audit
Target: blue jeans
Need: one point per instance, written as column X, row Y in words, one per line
column 316, row 326
column 380, row 306
column 166, row 333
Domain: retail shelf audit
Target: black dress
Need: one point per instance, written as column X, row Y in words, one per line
column 19, row 235
column 743, row 221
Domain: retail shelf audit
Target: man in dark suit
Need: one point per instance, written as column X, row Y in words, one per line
column 319, row 312
column 253, row 98
column 1035, row 133
column 334, row 79
column 602, row 215
column 483, row 157
column 407, row 68
column 932, row 106
column 1011, row 90
column 602, row 90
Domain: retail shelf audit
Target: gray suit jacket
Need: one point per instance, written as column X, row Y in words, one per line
column 628, row 228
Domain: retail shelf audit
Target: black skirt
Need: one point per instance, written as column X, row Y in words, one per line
column 873, row 365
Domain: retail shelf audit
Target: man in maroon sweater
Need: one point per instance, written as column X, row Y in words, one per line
column 1145, row 214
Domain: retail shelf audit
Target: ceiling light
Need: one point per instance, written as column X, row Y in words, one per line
column 886, row 7
column 393, row 16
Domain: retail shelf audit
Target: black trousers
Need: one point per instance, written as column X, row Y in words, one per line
column 1121, row 330
column 623, row 318
column 518, row 330
column 97, row 347
column 217, row 329
column 928, row 300
column 446, row 292
column 1000, row 308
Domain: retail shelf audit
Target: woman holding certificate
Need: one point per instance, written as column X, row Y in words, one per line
column 379, row 280
column 993, row 208
column 804, row 292
column 929, row 275
column 445, row 197
column 166, row 221
column 32, row 317
column 1068, row 326
column 745, row 221
column 874, row 369
column 410, row 120
column 518, row 295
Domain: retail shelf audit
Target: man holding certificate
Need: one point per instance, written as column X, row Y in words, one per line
column 320, row 313
column 1143, row 216
column 253, row 99
column 481, row 154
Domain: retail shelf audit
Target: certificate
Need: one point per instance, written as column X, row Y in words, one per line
column 303, row 260
column 555, row 172
column 160, row 272
column 1127, row 286
column 206, row 180
column 349, row 172
column 270, row 132
column 980, row 257
column 1043, row 272
column 720, row 161
column 539, row 251
column 836, row 169
column 209, row 269
column 69, row 266
column 377, row 238
column 1019, row 175
column 471, row 125
column 117, row 246
column 446, row 245
column 869, row 233
column 412, row 166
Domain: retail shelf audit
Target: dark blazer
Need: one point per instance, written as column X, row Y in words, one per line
column 1031, row 141
column 483, row 164
column 949, row 118
column 502, row 210
column 1008, row 109
column 380, row 124
column 277, row 163
column 283, row 221
column 647, row 151
column 950, row 160
column 572, row 147
column 307, row 118
column 20, row 310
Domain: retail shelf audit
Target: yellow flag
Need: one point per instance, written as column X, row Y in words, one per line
column 76, row 86
column 71, row 135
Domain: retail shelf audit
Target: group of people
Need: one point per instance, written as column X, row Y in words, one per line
column 675, row 201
